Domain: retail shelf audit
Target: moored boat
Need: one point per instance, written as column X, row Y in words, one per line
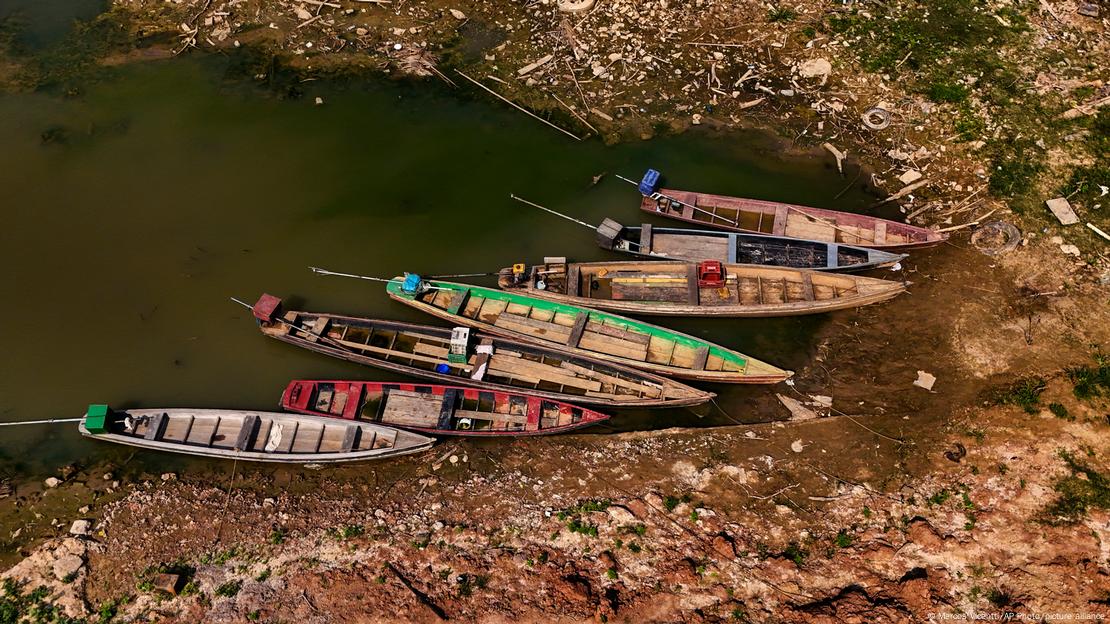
column 707, row 288
column 583, row 331
column 739, row 214
column 438, row 410
column 452, row 356
column 250, row 436
column 740, row 248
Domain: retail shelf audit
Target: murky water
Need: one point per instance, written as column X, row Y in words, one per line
column 133, row 212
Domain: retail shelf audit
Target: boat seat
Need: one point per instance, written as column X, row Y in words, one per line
column 701, row 356
column 246, row 432
column 156, row 427
column 447, row 408
column 350, row 438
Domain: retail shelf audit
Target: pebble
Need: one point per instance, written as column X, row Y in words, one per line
column 80, row 527
column 52, row 482
column 168, row 476
column 454, row 459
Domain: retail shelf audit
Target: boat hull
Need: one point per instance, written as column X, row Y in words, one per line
column 738, row 214
column 664, row 288
column 654, row 243
column 403, row 442
column 305, row 396
column 671, row 393
column 552, row 336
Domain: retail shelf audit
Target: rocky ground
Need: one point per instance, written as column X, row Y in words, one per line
column 987, row 494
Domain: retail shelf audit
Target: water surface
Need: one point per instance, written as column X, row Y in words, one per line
column 133, row 212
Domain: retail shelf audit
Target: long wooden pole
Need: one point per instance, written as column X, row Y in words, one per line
column 42, row 422
column 518, row 107
column 557, row 214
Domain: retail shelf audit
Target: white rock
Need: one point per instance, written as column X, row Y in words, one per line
column 52, row 482
column 319, row 100
column 696, row 119
column 1071, row 250
column 67, row 566
column 302, row 13
column 797, row 446
column 924, row 380
column 815, row 68
column 80, row 527
column 454, row 459
column 911, row 176
column 168, row 476
column 457, row 14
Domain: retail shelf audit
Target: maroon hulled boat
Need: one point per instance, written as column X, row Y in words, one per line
column 438, row 410
column 738, row 214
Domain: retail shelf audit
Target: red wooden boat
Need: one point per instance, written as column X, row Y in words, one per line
column 439, row 410
column 738, row 214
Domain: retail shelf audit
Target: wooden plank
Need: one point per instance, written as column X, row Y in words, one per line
column 1062, row 209
column 880, row 233
column 701, row 356
column 536, row 370
column 243, row 439
column 458, row 301
column 155, row 428
column 350, row 438
column 447, row 407
column 692, row 291
column 432, row 350
column 574, row 279
column 533, row 327
column 576, row 331
column 648, row 391
column 660, row 350
column 807, row 285
column 781, row 217
column 307, row 439
column 402, row 354
column 618, row 332
column 414, row 409
column 645, row 238
column 730, row 256
column 593, row 341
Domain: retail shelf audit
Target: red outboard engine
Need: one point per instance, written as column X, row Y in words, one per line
column 710, row 274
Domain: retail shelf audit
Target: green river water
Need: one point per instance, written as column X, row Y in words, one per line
column 132, row 212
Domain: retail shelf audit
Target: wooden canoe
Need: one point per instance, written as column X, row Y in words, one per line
column 590, row 333
column 778, row 219
column 438, row 410
column 740, row 248
column 491, row 363
column 250, row 436
column 676, row 288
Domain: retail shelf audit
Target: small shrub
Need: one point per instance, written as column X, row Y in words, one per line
column 277, row 536
column 229, row 589
column 1089, row 382
column 782, row 14
column 611, row 573
column 843, row 540
column 1060, row 411
column 1084, row 488
column 947, row 92
column 263, row 575
column 939, row 498
column 1025, row 393
column 796, row 553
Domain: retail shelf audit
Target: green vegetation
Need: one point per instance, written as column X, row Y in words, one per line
column 229, row 589
column 611, row 573
column 635, row 547
column 277, row 536
column 796, row 553
column 1024, row 393
column 583, row 507
column 219, row 558
column 939, row 498
column 782, row 14
column 671, row 502
column 577, row 526
column 1060, row 411
column 1087, row 381
column 263, row 575
column 348, row 532
column 17, row 607
column 843, row 540
column 1082, row 186
column 190, row 589
column 255, row 615
column 1077, row 492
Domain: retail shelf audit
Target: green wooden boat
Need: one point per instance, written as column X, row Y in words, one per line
column 582, row 331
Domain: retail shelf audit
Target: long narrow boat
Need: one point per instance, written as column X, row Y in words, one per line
column 582, row 331
column 451, row 356
column 740, row 248
column 250, row 436
column 696, row 289
column 738, row 214
column 438, row 410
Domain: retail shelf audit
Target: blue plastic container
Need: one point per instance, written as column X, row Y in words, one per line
column 649, row 183
column 443, row 369
column 411, row 285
